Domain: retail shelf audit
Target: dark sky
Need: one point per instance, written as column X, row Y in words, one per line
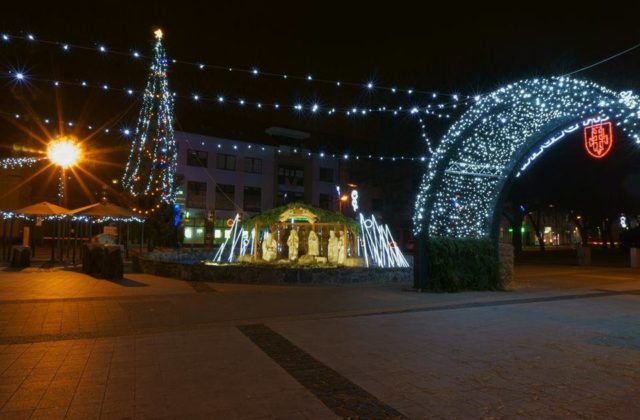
column 459, row 50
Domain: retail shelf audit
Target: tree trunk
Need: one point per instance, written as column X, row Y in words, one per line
column 583, row 229
column 536, row 228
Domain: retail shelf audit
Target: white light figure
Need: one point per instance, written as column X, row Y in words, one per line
column 379, row 247
column 354, row 200
column 235, row 239
column 623, row 222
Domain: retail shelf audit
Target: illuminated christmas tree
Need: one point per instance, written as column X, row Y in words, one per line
column 149, row 172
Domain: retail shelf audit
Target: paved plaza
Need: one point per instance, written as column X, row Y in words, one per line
column 563, row 343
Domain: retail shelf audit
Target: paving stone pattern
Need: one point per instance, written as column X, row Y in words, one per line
column 342, row 396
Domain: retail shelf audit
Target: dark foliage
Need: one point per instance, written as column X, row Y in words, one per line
column 462, row 264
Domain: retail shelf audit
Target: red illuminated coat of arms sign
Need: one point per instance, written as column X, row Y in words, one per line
column 598, row 139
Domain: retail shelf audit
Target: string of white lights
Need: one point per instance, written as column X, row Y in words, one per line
column 126, row 132
column 101, row 48
column 315, row 107
column 496, row 136
column 8, row 215
column 20, row 162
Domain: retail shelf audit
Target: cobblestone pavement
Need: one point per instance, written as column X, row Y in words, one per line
column 564, row 343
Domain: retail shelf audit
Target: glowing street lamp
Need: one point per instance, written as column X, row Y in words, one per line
column 64, row 152
column 343, row 199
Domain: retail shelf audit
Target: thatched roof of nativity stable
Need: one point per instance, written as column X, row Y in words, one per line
column 299, row 212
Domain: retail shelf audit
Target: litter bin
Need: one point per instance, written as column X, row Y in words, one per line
column 20, row 256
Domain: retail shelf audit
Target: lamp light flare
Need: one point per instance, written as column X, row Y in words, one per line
column 64, row 152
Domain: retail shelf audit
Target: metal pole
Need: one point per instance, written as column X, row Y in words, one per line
column 75, row 241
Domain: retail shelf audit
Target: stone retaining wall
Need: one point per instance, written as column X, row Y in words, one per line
column 273, row 274
column 505, row 263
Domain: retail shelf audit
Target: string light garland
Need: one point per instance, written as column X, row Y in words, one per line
column 127, row 132
column 369, row 85
column 21, row 162
column 460, row 189
column 440, row 110
column 8, row 215
column 150, row 170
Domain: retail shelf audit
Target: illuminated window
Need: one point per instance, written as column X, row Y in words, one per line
column 188, row 232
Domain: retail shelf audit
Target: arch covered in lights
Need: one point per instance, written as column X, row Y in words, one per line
column 498, row 138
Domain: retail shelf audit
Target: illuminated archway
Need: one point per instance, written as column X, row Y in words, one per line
column 498, row 138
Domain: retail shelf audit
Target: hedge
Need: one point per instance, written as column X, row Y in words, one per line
column 462, row 264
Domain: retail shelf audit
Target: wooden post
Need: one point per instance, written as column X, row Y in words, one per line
column 142, row 238
column 75, row 242
column 4, row 235
column 10, row 239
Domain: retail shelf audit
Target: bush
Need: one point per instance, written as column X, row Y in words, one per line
column 462, row 264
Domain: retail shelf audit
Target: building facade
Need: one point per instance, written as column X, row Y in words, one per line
column 221, row 177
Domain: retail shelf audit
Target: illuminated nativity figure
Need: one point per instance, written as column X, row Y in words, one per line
column 311, row 235
column 269, row 248
column 293, row 243
column 313, row 245
column 333, row 248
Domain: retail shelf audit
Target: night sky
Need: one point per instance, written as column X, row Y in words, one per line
column 456, row 51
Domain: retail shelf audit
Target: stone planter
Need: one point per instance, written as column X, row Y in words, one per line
column 274, row 274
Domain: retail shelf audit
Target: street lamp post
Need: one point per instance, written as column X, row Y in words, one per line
column 63, row 152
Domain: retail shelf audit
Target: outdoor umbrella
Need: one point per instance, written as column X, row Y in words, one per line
column 104, row 210
column 42, row 209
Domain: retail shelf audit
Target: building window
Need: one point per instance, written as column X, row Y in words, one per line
column 326, row 174
column 252, row 199
column 197, row 158
column 225, row 196
column 291, row 176
column 325, row 201
column 226, row 162
column 196, row 194
column 253, row 165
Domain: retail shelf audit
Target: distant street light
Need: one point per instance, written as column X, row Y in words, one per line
column 343, row 199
